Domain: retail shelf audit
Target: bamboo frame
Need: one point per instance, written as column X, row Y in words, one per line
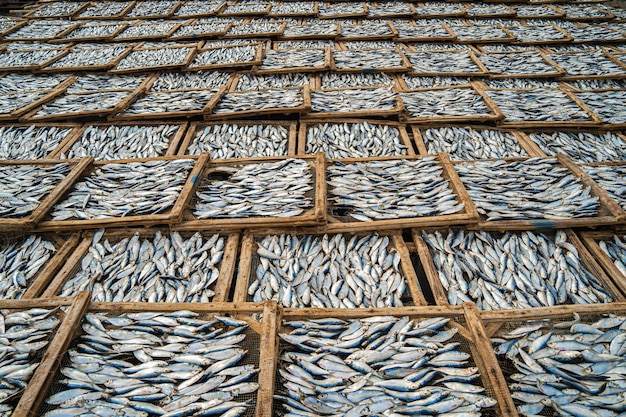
column 190, row 56
column 248, row 257
column 196, row 127
column 78, row 134
column 101, row 67
column 82, row 247
column 288, row 70
column 427, row 267
column 78, row 166
column 314, row 216
column 173, row 215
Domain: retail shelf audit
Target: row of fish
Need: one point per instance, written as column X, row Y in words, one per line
column 512, row 270
column 92, row 57
column 465, row 143
column 443, row 62
column 153, row 58
column 271, row 189
column 28, row 59
column 168, row 81
column 374, row 99
column 392, row 189
column 221, row 56
column 147, row 29
column 248, row 82
column 159, row 268
column 375, row 366
column 269, row 99
column 200, row 29
column 94, row 30
column 331, row 80
column 171, row 102
column 328, row 271
column 125, row 189
column 19, row 82
column 156, row 364
column 616, row 250
column 449, row 102
column 610, row 179
column 30, row 142
column 293, row 58
column 566, row 368
column 609, row 106
column 582, row 146
column 538, row 105
column 368, row 59
column 522, row 63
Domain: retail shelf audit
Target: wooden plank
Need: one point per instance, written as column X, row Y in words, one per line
column 591, row 241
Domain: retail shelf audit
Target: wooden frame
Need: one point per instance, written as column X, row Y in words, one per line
column 121, row 116
column 482, row 70
column 287, row 70
column 299, row 14
column 558, row 71
column 567, row 38
column 313, row 36
column 18, row 24
column 236, row 78
column 607, row 15
column 176, row 5
column 451, row 36
column 147, row 37
column 622, row 215
column 173, row 215
column 611, row 57
column 609, row 211
column 102, row 67
column 59, row 34
column 248, row 259
column 314, row 216
column 194, row 36
column 32, row 13
column 122, row 26
column 597, row 116
column 483, row 40
column 47, row 97
column 224, row 13
column 33, row 395
column 54, row 154
column 222, row 4
column 364, row 13
column 393, row 33
column 594, row 120
column 422, row 149
column 510, row 13
column 461, row 13
column 190, row 56
column 34, row 67
column 77, row 135
column 428, row 268
column 77, row 167
column 129, row 5
column 402, row 133
column 558, row 13
column 470, row 332
column 303, row 108
column 405, row 66
column 314, row 116
column 262, row 329
column 466, row 216
column 403, row 87
column 258, row 57
column 495, row 116
column 317, row 81
column 82, row 247
column 195, row 127
column 277, row 33
column 591, row 239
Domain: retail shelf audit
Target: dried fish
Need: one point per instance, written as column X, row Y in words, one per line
column 226, row 55
column 455, row 102
column 198, row 8
column 95, row 30
column 517, row 63
column 311, row 30
column 104, row 9
column 170, row 102
column 75, row 105
column 616, row 250
column 428, row 82
column 479, row 33
column 353, row 100
column 311, row 59
column 92, row 57
column 342, row 9
column 41, row 29
column 538, row 105
column 105, row 82
column 30, row 142
column 148, row 29
column 12, row 102
column 609, row 106
column 17, row 82
column 58, row 9
column 526, row 83
column 227, row 141
column 272, row 98
column 443, row 62
column 331, row 80
column 537, row 33
column 141, row 59
column 18, row 59
column 189, row 80
column 369, row 30
column 256, row 29
column 610, row 179
column 465, row 143
column 200, row 29
column 150, row 8
column 582, row 146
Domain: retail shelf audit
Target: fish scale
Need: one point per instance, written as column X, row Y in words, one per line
column 514, row 270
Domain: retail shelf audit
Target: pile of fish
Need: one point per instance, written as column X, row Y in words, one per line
column 30, row 142
column 512, row 270
column 573, row 12
column 125, row 189
column 245, row 8
column 162, row 268
column 587, row 63
column 391, row 8
column 373, row 99
column 94, row 30
column 610, row 179
column 483, row 9
column 506, row 48
column 442, row 62
column 479, row 33
column 435, row 31
column 248, row 82
column 593, row 85
column 146, row 30
column 331, row 80
column 465, row 143
column 149, row 8
column 535, row 188
column 293, row 58
column 568, row 368
column 104, row 9
column 272, row 189
column 413, row 83
column 228, row 141
column 507, row 83
column 195, row 7
column 616, row 249
column 539, row 105
column 316, row 29
column 328, row 271
column 582, row 146
column 105, row 82
column 77, row 104
column 89, row 57
column 367, row 30
column 200, row 29
column 368, row 44
column 533, row 10
column 304, row 44
column 378, row 366
column 58, row 9
column 595, row 34
column 455, row 102
column 536, row 33
column 251, row 29
column 354, row 140
column 609, row 106
column 517, row 63
column 171, row 102
column 11, row 59
column 12, row 102
column 438, row 47
column 40, row 29
column 23, row 335
column 293, row 8
column 168, row 81
column 23, row 187
column 20, row 262
column 341, row 9
column 368, row 59
column 158, row 364
column 147, row 58
column 381, row 190
column 220, row 56
column 122, row 142
column 19, row 83
column 272, row 98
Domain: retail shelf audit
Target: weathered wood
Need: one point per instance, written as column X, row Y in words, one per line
column 591, row 239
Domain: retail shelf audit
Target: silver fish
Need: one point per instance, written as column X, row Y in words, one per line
column 611, row 179
column 249, row 82
column 353, row 100
column 331, row 80
column 442, row 62
column 153, row 58
column 151, row 8
column 582, row 146
column 616, row 250
column 189, row 80
column 274, row 98
column 609, row 106
column 92, row 57
column 445, row 103
column 311, row 59
column 225, row 55
column 30, row 142
column 537, row 105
